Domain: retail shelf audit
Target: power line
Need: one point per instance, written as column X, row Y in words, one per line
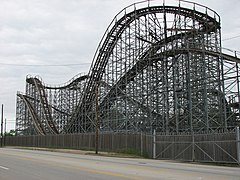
column 231, row 38
column 43, row 65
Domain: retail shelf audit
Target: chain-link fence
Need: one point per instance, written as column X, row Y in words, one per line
column 220, row 147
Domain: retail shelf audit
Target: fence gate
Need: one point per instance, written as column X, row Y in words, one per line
column 223, row 147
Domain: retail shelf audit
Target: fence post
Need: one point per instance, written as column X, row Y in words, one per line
column 154, row 144
column 141, row 139
column 238, row 144
column 1, row 136
column 193, row 148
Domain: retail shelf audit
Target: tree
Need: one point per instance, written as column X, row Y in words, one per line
column 10, row 133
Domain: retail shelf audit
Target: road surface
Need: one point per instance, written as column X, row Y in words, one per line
column 19, row 164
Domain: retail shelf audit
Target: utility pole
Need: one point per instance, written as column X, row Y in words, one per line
column 2, row 128
column 5, row 131
column 96, row 101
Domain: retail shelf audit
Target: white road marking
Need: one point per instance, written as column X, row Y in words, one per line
column 5, row 168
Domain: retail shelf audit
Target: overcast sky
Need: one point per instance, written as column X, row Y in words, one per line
column 58, row 32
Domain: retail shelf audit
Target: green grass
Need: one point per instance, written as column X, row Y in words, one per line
column 131, row 151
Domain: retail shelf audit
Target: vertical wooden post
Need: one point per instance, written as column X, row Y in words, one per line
column 193, row 147
column 2, row 128
column 96, row 136
column 154, row 144
column 5, row 131
column 141, row 139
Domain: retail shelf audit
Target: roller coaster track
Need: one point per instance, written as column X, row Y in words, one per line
column 103, row 53
column 37, row 123
column 152, row 54
column 50, row 106
column 46, row 110
column 43, row 100
column 119, row 27
column 141, row 62
column 120, row 85
column 71, row 84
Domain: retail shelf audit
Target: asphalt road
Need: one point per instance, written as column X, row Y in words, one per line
column 18, row 164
